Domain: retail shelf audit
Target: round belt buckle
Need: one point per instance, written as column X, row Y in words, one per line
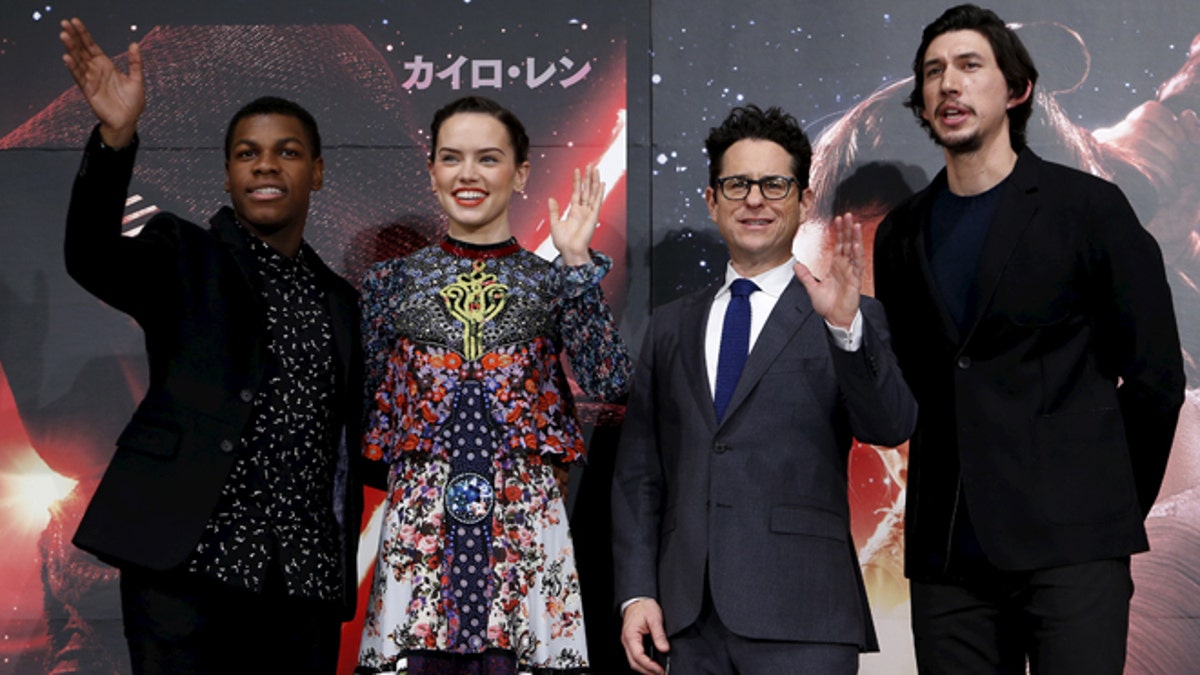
column 469, row 498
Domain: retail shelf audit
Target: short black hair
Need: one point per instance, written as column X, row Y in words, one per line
column 772, row 124
column 486, row 106
column 273, row 105
column 1011, row 57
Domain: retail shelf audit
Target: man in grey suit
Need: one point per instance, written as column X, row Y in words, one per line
column 731, row 523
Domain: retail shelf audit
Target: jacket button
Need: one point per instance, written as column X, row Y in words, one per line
column 721, row 448
column 226, row 445
column 246, row 395
column 964, row 362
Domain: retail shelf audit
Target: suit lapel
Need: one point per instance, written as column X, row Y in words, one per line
column 692, row 333
column 791, row 312
column 223, row 225
column 1013, row 216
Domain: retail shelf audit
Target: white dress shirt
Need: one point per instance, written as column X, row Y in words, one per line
column 771, row 285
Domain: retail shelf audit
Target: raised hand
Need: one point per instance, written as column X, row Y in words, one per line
column 117, row 98
column 836, row 296
column 572, row 235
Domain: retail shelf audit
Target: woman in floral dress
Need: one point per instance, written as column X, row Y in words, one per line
column 471, row 409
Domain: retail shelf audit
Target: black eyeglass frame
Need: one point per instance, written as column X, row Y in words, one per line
column 750, row 183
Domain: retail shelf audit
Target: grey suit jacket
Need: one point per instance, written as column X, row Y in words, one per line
column 760, row 499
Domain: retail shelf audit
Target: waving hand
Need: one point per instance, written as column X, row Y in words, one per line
column 572, row 235
column 117, row 98
column 836, row 296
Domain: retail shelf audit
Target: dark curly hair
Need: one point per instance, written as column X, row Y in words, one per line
column 772, row 124
column 273, row 105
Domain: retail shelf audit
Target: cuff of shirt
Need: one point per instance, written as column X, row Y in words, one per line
column 848, row 340
column 625, row 605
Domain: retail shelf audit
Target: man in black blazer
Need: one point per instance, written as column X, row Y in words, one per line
column 731, row 523
column 232, row 505
column 1033, row 320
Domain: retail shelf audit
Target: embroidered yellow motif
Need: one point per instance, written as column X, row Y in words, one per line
column 474, row 300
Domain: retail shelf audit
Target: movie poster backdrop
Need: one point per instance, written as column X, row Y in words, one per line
column 632, row 85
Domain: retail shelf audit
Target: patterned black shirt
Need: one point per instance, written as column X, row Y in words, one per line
column 277, row 506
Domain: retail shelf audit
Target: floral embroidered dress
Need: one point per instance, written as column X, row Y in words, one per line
column 470, row 408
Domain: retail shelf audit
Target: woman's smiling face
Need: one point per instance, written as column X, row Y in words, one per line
column 474, row 173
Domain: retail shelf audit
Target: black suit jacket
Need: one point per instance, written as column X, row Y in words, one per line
column 195, row 294
column 1054, row 410
column 759, row 500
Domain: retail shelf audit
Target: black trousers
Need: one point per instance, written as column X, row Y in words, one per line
column 1064, row 620
column 708, row 647
column 181, row 623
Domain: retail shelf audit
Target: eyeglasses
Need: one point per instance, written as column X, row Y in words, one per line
column 774, row 188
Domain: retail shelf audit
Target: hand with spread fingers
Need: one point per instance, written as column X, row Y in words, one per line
column 117, row 98
column 836, row 296
column 573, row 232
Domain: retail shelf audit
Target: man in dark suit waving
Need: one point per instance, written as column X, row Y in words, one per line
column 731, row 524
column 233, row 501
column 1033, row 320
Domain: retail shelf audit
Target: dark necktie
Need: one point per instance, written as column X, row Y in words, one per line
column 735, row 343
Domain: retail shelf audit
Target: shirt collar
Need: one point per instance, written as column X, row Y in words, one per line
column 772, row 282
column 269, row 257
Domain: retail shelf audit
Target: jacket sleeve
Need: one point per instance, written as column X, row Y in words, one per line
column 1137, row 334
column 881, row 407
column 133, row 274
column 638, row 486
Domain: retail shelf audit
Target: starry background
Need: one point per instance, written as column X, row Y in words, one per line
column 818, row 59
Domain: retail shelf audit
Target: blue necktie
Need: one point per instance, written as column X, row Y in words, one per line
column 735, row 343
